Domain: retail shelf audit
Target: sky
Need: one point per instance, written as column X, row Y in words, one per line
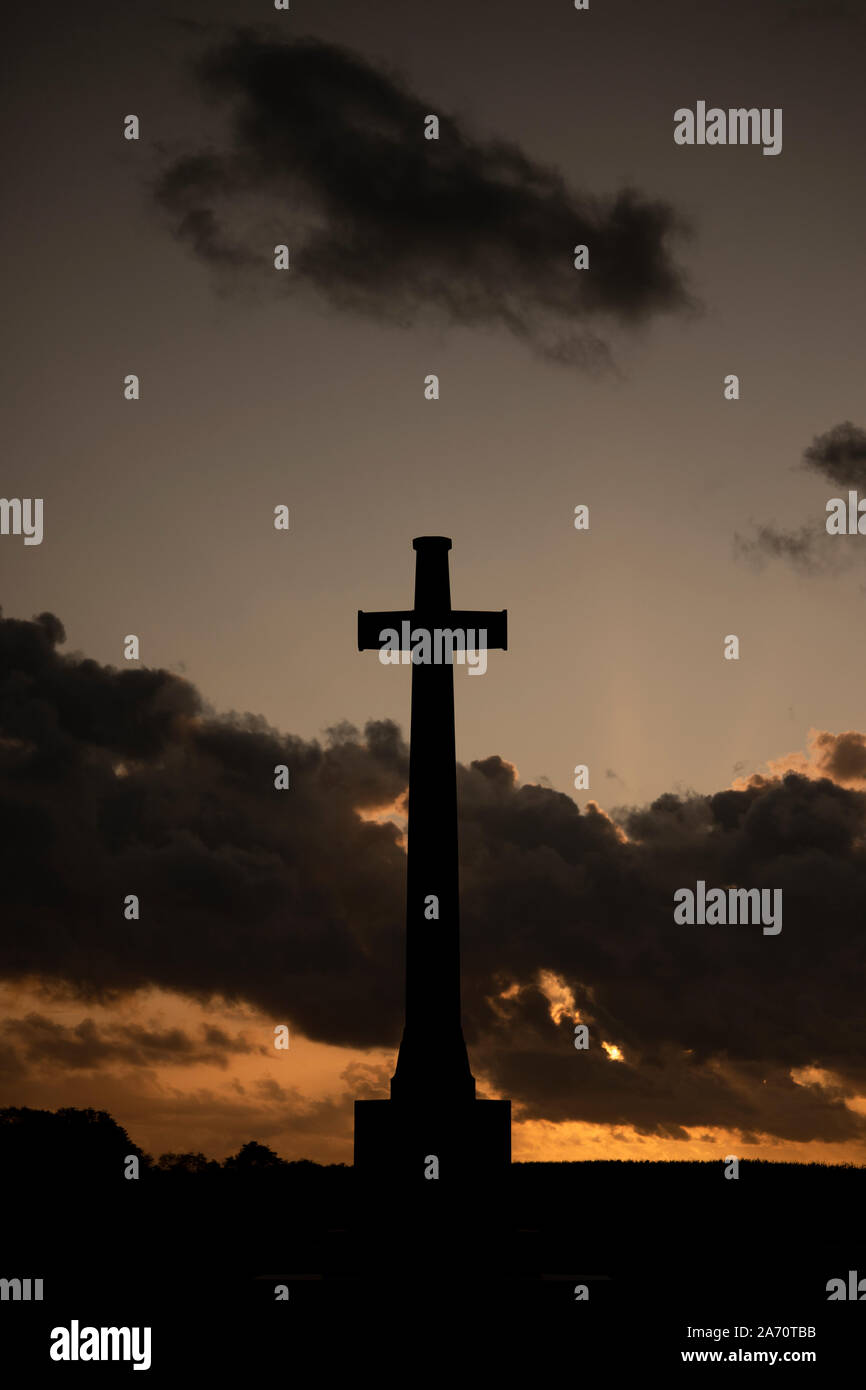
column 557, row 387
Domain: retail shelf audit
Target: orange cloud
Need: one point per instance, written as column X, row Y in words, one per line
column 840, row 757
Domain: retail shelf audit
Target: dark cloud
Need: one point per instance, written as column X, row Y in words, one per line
column 117, row 782
column 291, row 901
column 35, row 1039
column 841, row 756
column 803, row 548
column 840, row 457
column 327, row 153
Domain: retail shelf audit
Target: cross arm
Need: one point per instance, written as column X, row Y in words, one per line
column 371, row 624
column 494, row 624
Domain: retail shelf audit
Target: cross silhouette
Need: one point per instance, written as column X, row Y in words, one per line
column 432, row 1060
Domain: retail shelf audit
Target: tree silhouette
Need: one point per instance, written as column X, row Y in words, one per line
column 253, row 1156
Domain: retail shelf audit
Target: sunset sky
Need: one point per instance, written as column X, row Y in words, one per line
column 306, row 388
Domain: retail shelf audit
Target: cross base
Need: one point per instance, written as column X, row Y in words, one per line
column 397, row 1141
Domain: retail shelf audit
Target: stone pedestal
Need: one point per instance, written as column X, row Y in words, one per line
column 397, row 1141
